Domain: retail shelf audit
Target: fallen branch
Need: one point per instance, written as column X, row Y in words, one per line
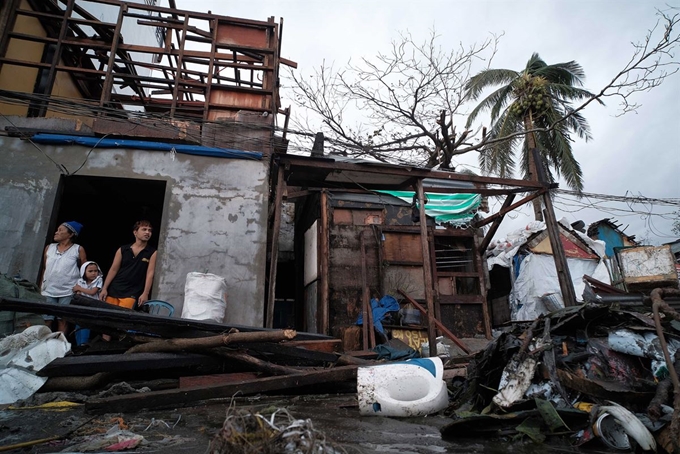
column 172, row 345
column 257, row 364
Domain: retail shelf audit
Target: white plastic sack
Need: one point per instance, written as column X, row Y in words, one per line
column 205, row 297
column 22, row 355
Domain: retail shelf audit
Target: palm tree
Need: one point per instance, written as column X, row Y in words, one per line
column 535, row 98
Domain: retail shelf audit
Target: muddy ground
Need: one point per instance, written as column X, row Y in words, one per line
column 190, row 430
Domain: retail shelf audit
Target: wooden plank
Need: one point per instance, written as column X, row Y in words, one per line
column 215, row 379
column 286, row 350
column 329, row 345
column 108, row 80
column 506, row 210
column 274, row 251
column 563, row 273
column 178, row 398
column 324, row 266
column 402, row 248
column 427, row 270
column 92, row 364
column 365, row 304
column 110, row 320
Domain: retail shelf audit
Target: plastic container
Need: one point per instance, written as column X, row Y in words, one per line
column 402, row 389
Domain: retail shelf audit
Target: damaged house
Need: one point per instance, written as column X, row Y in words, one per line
column 173, row 123
column 176, row 124
column 523, row 273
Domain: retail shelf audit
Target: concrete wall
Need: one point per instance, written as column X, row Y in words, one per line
column 214, row 215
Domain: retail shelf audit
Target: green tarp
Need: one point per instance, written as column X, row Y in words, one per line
column 455, row 209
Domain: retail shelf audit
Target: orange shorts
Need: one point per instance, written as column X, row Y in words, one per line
column 128, row 303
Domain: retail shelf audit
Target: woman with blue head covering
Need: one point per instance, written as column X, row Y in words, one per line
column 63, row 259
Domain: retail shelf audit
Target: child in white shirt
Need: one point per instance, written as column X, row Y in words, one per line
column 91, row 280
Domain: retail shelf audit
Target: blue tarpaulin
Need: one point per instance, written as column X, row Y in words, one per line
column 379, row 308
column 95, row 142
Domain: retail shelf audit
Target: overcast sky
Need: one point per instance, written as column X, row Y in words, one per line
column 638, row 153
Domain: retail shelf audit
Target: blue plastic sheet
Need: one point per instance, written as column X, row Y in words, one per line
column 379, row 308
column 96, row 142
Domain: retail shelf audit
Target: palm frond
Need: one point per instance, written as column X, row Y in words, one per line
column 570, row 73
column 495, row 101
column 488, row 78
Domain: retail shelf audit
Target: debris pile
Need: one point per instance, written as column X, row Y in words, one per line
column 592, row 372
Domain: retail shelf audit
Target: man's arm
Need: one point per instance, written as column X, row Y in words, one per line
column 144, row 297
column 115, row 266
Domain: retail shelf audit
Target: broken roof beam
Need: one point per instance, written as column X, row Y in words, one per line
column 187, row 396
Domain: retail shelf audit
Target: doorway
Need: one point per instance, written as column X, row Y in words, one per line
column 108, row 208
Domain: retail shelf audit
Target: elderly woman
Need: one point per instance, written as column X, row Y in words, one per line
column 62, row 264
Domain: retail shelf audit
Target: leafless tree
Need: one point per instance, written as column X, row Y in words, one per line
column 410, row 96
column 408, row 99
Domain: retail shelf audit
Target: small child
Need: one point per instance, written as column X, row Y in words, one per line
column 91, row 280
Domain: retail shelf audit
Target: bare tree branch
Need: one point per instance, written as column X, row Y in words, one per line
column 408, row 97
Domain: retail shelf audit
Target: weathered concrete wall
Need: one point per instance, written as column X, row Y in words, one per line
column 214, row 215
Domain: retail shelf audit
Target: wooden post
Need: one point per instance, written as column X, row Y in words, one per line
column 108, row 80
column 427, row 269
column 561, row 265
column 52, row 74
column 366, row 294
column 178, row 75
column 365, row 303
column 563, row 274
column 323, row 265
column 274, row 255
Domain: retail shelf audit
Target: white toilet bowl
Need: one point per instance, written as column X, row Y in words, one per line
column 409, row 388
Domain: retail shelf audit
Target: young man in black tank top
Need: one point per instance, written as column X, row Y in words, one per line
column 131, row 274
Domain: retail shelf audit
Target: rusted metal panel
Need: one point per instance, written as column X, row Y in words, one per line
column 648, row 266
column 241, row 35
column 402, row 248
column 342, row 216
column 227, row 99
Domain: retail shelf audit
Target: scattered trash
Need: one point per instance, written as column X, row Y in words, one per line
column 24, row 354
column 253, row 433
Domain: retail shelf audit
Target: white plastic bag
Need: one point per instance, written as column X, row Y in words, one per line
column 205, row 297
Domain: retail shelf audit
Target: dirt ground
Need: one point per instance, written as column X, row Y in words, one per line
column 190, row 430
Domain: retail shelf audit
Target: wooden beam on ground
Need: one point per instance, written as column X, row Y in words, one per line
column 215, row 379
column 443, row 328
column 327, row 345
column 496, row 224
column 92, row 364
column 285, row 351
column 182, row 397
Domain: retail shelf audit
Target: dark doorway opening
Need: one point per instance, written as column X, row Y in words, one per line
column 284, row 309
column 108, row 208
